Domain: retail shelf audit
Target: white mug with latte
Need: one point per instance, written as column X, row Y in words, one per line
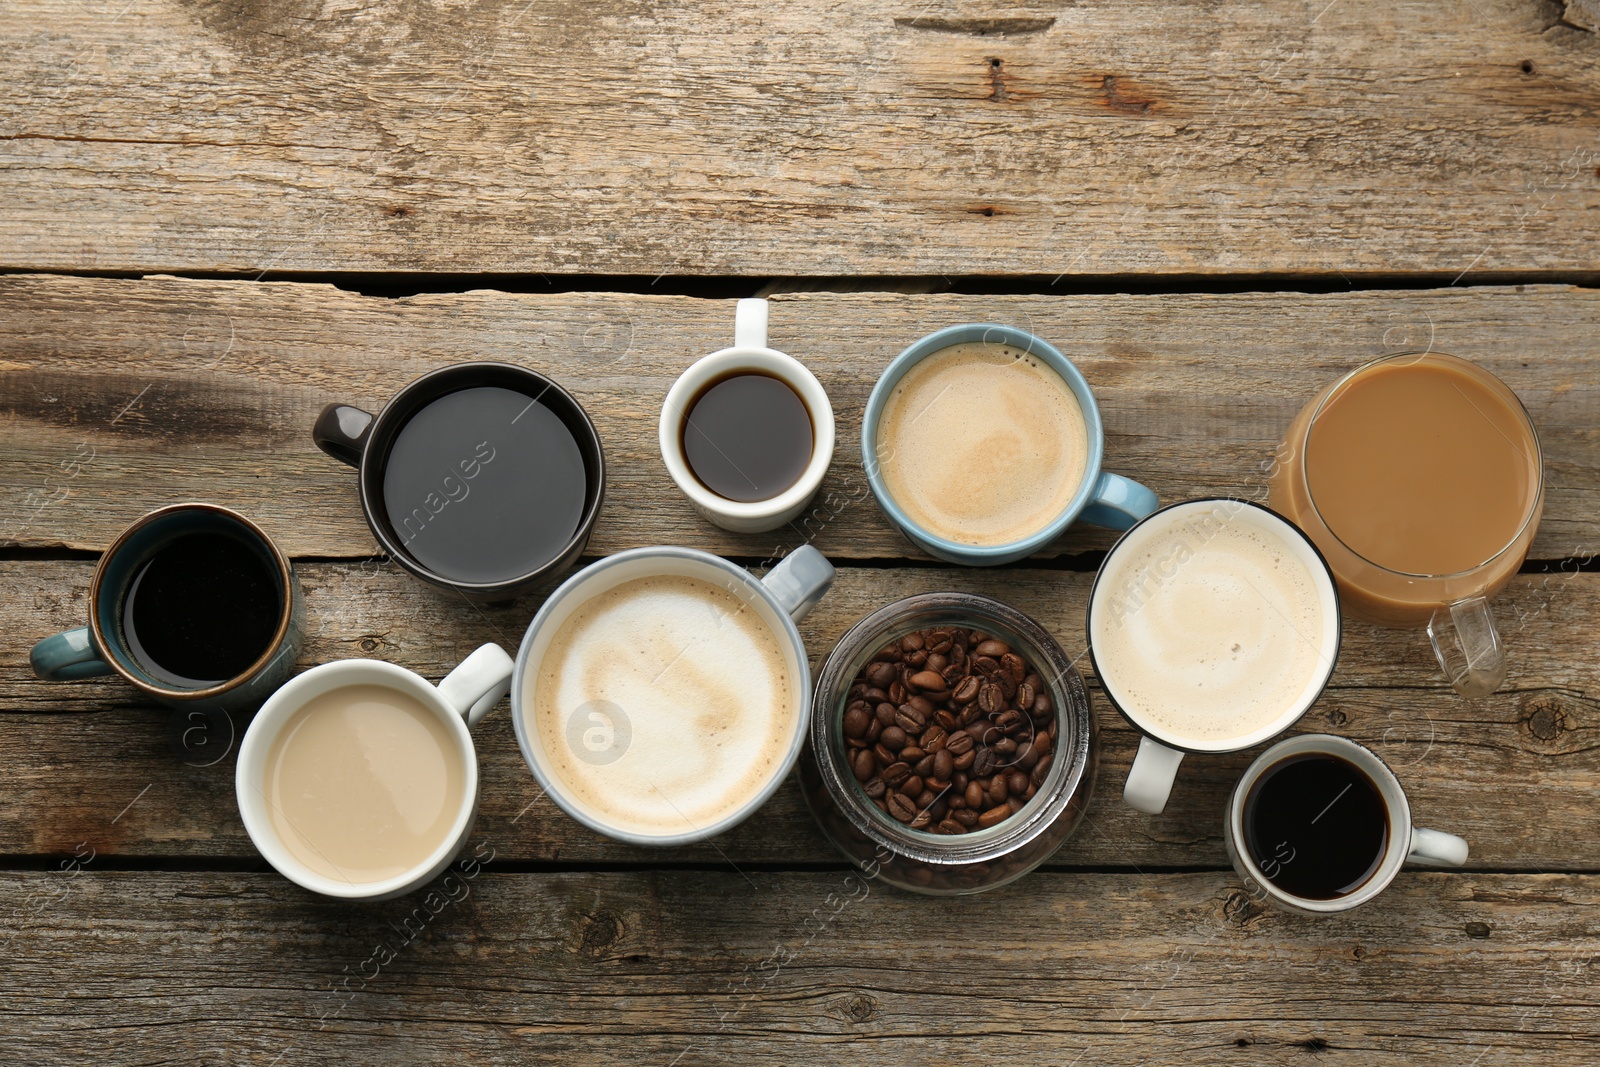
column 358, row 779
column 662, row 694
column 1213, row 625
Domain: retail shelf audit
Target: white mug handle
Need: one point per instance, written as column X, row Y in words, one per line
column 800, row 580
column 1151, row 776
column 478, row 683
column 1435, row 848
column 750, row 324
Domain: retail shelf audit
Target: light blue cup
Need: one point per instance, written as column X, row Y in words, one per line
column 1104, row 499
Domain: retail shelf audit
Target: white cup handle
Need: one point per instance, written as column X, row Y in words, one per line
column 478, row 683
column 1151, row 776
column 750, row 324
column 800, row 580
column 1434, row 848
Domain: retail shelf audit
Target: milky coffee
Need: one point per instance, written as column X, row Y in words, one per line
column 982, row 444
column 1207, row 625
column 364, row 783
column 685, row 680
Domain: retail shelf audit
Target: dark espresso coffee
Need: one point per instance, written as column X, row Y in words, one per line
column 484, row 485
column 202, row 610
column 1316, row 826
column 747, row 437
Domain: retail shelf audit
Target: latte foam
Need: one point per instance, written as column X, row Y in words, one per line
column 1208, row 625
column 664, row 705
column 982, row 444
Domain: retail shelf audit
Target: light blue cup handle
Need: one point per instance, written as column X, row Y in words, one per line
column 1118, row 502
column 68, row 656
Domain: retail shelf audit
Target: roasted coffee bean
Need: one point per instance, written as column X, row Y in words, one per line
column 926, row 798
column 966, row 691
column 986, row 666
column 880, row 674
column 865, row 765
column 990, row 699
column 851, row 742
column 1025, row 695
column 983, row 764
column 946, row 719
column 1005, row 748
column 912, row 785
column 911, row 753
column 874, row 696
column 933, row 738
column 950, row 826
column 911, row 642
column 927, row 681
column 1028, row 793
column 958, row 799
column 897, row 693
column 1010, row 721
column 924, row 766
column 901, row 807
column 1007, row 684
column 958, row 743
column 1043, row 742
column 970, row 713
column 998, row 789
column 921, row 703
column 966, row 817
column 993, row 648
column 1042, row 705
column 874, row 787
column 939, row 641
column 884, row 754
column 874, row 731
column 896, row 773
column 974, row 795
column 944, row 764
column 959, row 780
column 885, row 713
column 964, row 761
column 910, row 719
column 938, row 785
column 916, row 660
column 1017, row 783
column 993, row 817
column 888, row 654
column 936, row 662
column 921, row 820
column 1027, row 755
column 1041, row 769
column 892, row 738
column 1015, row 804
column 1014, row 666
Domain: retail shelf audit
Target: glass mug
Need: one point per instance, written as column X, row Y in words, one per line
column 1419, row 478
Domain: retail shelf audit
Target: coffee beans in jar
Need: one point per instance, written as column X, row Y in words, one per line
column 949, row 730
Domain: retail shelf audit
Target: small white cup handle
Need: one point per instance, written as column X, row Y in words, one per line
column 478, row 683
column 800, row 580
column 750, row 324
column 1151, row 776
column 1434, row 848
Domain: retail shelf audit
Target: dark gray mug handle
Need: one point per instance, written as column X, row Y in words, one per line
column 341, row 431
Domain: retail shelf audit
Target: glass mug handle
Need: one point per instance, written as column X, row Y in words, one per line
column 1468, row 646
column 1151, row 776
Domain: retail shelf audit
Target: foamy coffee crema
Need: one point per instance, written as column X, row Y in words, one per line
column 1210, row 627
column 706, row 698
column 982, row 444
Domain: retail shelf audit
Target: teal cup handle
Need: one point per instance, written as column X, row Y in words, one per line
column 1118, row 502
column 67, row 657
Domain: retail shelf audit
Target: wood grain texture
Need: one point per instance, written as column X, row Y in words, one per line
column 733, row 137
column 117, row 396
column 1477, row 768
column 697, row 968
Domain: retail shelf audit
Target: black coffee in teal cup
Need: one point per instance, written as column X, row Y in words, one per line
column 983, row 443
column 194, row 605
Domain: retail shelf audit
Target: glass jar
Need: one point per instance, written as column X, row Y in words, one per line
column 948, row 864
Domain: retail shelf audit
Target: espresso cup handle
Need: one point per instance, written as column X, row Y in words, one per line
column 750, row 324
column 1468, row 647
column 800, row 581
column 1434, row 848
column 1151, row 776
column 1118, row 502
column 478, row 683
column 341, row 431
column 68, row 656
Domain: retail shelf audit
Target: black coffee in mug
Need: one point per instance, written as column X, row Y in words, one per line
column 484, row 484
column 201, row 610
column 747, row 436
column 1316, row 826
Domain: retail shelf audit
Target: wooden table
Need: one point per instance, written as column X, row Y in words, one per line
column 216, row 216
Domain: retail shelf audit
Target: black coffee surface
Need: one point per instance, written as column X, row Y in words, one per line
column 747, row 437
column 201, row 610
column 1316, row 826
column 484, row 485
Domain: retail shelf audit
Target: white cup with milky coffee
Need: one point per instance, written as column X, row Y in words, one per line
column 358, row 778
column 1214, row 625
column 662, row 694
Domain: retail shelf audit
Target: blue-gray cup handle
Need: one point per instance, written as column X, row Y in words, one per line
column 1118, row 502
column 68, row 656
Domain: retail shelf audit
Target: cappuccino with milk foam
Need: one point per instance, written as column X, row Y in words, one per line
column 688, row 692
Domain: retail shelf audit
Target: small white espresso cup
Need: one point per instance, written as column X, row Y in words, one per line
column 1191, row 523
column 749, row 353
column 785, row 595
column 1404, row 843
column 463, row 698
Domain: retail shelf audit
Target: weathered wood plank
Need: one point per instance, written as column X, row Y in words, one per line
column 118, row 396
column 826, row 138
column 696, row 968
column 1477, row 768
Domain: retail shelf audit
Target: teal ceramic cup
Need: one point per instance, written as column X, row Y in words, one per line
column 1103, row 498
column 103, row 647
